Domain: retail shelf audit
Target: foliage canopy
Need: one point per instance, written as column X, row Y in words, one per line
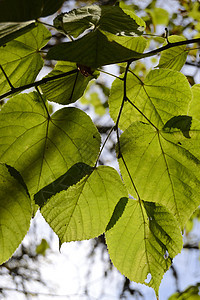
column 49, row 161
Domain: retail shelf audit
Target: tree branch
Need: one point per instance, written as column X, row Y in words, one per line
column 140, row 56
column 168, row 46
column 37, row 83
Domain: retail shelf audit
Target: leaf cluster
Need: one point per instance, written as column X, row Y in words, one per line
column 49, row 161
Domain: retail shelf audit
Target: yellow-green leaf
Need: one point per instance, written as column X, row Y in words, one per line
column 15, row 213
column 163, row 94
column 20, row 58
column 144, row 241
column 43, row 147
column 84, row 210
column 173, row 58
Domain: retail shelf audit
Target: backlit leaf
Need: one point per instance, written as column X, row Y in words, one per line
column 45, row 147
column 173, row 58
column 144, row 241
column 163, row 95
column 107, row 18
column 83, row 210
column 71, row 177
column 15, row 213
column 67, row 89
column 191, row 293
column 92, row 50
column 195, row 103
column 164, row 167
column 21, row 59
column 159, row 15
column 137, row 44
column 10, row 31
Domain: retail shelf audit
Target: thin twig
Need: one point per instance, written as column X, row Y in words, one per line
column 111, row 130
column 37, row 89
column 100, row 70
column 129, row 101
column 8, row 80
column 158, row 50
column 37, row 83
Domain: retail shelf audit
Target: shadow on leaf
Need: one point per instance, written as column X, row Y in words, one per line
column 180, row 122
column 71, row 177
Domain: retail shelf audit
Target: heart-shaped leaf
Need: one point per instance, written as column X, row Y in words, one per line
column 83, row 210
column 163, row 95
column 44, row 146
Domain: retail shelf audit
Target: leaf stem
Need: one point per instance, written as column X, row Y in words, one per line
column 111, row 130
column 8, row 80
column 38, row 21
column 120, row 155
column 37, row 83
column 37, row 89
column 141, row 113
column 100, row 70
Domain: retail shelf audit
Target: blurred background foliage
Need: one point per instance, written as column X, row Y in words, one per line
column 23, row 272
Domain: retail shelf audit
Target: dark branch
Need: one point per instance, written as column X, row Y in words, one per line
column 37, row 83
column 168, row 46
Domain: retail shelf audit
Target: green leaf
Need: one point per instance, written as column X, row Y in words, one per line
column 191, row 293
column 92, row 50
column 42, row 247
column 83, row 210
column 194, row 104
column 194, row 13
column 24, row 10
column 144, row 241
column 68, row 89
column 173, row 58
column 15, row 212
column 21, row 59
column 163, row 95
column 10, row 31
column 107, row 18
column 137, row 44
column 40, row 147
column 159, row 15
column 71, row 177
column 163, row 167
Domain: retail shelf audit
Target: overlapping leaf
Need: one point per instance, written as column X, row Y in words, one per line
column 10, row 31
column 15, row 213
column 92, row 50
column 67, row 89
column 41, row 147
column 137, row 44
column 107, row 18
column 71, row 177
column 144, row 241
column 83, row 210
column 173, row 58
column 20, row 58
column 164, row 166
column 24, row 10
column 162, row 95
